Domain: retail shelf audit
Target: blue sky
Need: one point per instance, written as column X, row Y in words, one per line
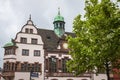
column 15, row 13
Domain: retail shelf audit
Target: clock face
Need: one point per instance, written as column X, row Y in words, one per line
column 65, row 45
column 59, row 32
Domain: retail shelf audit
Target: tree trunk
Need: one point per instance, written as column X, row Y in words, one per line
column 107, row 70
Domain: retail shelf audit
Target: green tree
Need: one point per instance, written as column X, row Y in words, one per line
column 97, row 43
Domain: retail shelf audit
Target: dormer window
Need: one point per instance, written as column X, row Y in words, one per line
column 31, row 31
column 26, row 30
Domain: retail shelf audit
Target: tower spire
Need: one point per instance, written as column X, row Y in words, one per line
column 58, row 10
column 59, row 24
column 30, row 22
column 30, row 17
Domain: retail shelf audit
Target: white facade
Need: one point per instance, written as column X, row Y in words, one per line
column 31, row 47
column 26, row 76
column 99, row 77
column 18, row 57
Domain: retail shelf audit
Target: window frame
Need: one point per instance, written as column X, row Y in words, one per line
column 25, row 52
column 37, row 53
column 53, row 64
column 9, row 51
column 26, row 30
column 31, row 31
column 34, row 41
column 23, row 40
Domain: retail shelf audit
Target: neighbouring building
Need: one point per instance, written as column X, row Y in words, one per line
column 116, row 75
column 40, row 54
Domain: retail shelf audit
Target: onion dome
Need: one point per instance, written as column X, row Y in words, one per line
column 59, row 17
column 9, row 44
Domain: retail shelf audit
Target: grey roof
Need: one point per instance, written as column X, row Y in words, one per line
column 50, row 39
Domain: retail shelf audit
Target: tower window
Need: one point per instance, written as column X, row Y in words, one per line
column 31, row 31
column 60, row 24
column 56, row 25
column 23, row 40
column 34, row 41
column 25, row 52
column 26, row 30
column 36, row 52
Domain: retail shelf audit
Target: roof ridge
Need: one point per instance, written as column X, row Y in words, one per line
column 52, row 30
column 45, row 29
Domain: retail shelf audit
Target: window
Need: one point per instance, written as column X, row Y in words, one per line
column 37, row 67
column 26, row 30
column 23, row 40
column 7, row 66
column 24, row 67
column 64, row 68
column 34, row 41
column 13, row 66
column 53, row 64
column 60, row 24
column 9, row 51
column 16, row 66
column 31, row 31
column 36, row 52
column 56, row 25
column 25, row 52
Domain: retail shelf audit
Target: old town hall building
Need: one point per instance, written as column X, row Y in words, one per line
column 39, row 54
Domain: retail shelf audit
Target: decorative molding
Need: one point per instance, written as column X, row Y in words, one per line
column 9, row 58
column 29, row 43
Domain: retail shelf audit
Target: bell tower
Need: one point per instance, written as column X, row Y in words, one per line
column 59, row 25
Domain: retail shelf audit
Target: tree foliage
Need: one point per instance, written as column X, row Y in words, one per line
column 97, row 40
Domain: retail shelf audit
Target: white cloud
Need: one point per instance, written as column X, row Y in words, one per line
column 9, row 24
